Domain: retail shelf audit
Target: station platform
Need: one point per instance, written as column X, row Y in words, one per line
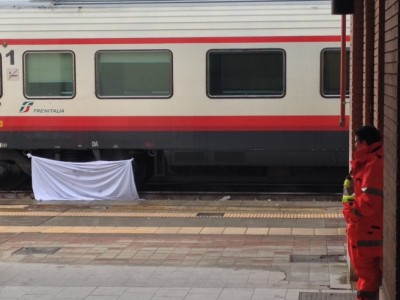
column 181, row 249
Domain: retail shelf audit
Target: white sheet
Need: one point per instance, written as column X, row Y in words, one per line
column 98, row 180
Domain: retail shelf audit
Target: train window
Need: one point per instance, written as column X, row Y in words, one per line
column 49, row 75
column 252, row 73
column 330, row 72
column 134, row 74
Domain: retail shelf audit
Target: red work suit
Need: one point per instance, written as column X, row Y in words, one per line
column 351, row 234
column 365, row 219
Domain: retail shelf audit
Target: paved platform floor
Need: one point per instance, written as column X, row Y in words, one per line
column 157, row 249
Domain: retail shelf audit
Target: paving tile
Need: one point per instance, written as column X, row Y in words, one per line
column 201, row 296
column 269, row 294
column 10, row 229
column 14, row 291
column 257, row 231
column 236, row 294
column 205, row 291
column 46, row 290
column 78, row 229
column 37, row 297
column 167, row 230
column 142, row 290
column 190, row 230
column 135, row 296
column 326, row 231
column 55, row 229
column 90, row 297
column 74, row 292
column 108, row 291
column 212, row 230
column 146, row 230
column 280, row 231
column 101, row 229
column 235, row 230
column 303, row 231
column 124, row 230
column 171, row 292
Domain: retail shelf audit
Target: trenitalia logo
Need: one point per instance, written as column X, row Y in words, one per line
column 26, row 106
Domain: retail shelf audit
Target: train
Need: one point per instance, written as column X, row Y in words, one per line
column 175, row 84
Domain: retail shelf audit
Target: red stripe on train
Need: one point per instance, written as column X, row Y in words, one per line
column 173, row 123
column 175, row 40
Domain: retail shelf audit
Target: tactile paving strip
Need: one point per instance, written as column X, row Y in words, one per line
column 289, row 231
column 163, row 214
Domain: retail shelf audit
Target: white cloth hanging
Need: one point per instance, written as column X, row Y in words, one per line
column 98, row 180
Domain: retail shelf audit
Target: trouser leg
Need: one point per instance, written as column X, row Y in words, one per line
column 369, row 277
column 352, row 244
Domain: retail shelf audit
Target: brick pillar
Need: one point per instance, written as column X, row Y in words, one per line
column 368, row 79
column 379, row 67
column 391, row 251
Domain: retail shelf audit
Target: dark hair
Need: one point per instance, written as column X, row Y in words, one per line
column 369, row 134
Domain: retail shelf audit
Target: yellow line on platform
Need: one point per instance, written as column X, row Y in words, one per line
column 288, row 231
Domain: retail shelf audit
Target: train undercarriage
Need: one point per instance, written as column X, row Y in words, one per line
column 158, row 170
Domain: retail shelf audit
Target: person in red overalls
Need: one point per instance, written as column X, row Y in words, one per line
column 364, row 214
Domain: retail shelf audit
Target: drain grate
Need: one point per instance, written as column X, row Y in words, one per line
column 212, row 215
column 326, row 296
column 318, row 258
column 37, row 250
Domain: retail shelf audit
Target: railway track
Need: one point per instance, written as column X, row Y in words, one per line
column 208, row 196
column 224, row 187
column 227, row 180
column 221, row 188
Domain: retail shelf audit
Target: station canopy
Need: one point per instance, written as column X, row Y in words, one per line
column 16, row 3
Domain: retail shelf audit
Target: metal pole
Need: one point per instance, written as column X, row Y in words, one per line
column 343, row 74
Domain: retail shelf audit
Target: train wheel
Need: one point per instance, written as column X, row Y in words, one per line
column 142, row 168
column 11, row 176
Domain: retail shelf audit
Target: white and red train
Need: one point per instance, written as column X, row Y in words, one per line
column 183, row 83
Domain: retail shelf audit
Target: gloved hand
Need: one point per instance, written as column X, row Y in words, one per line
column 348, row 198
column 348, row 190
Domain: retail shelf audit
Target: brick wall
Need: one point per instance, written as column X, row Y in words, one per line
column 391, row 139
column 366, row 66
column 368, row 70
column 379, row 67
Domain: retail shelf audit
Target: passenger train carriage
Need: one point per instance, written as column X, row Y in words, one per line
column 170, row 83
